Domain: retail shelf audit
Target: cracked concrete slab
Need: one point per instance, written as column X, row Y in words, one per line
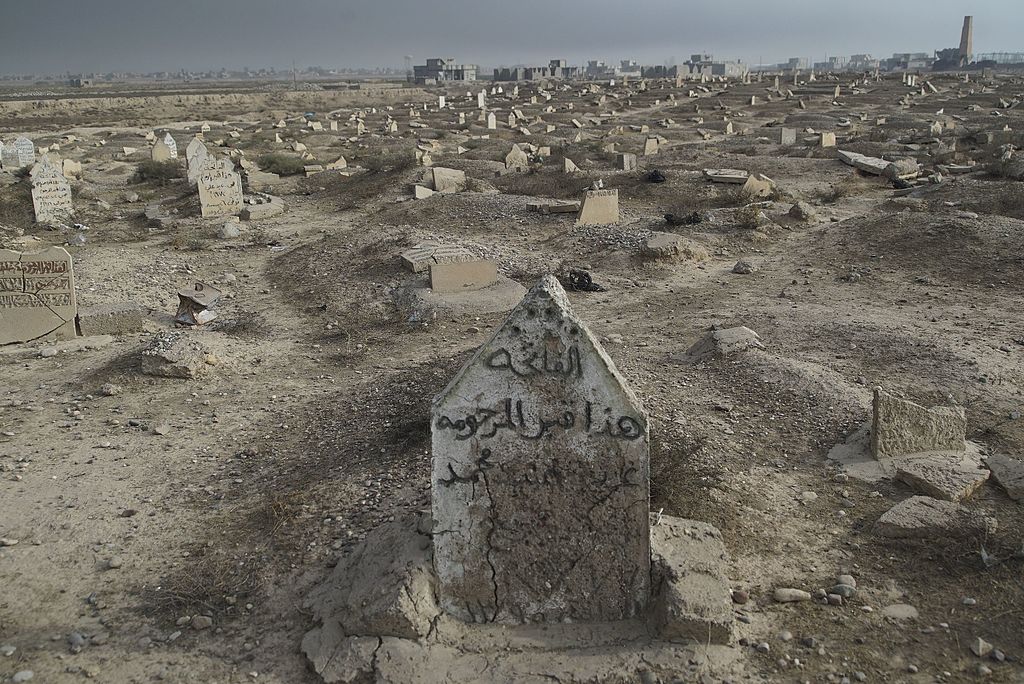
column 37, row 296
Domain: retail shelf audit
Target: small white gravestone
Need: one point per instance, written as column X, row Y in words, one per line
column 26, row 151
column 51, row 194
column 541, row 476
column 220, row 188
column 8, row 156
column 171, row 145
column 196, row 155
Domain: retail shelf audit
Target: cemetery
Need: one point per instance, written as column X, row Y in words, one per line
column 681, row 378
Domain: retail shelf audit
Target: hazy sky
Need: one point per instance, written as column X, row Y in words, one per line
column 147, row 35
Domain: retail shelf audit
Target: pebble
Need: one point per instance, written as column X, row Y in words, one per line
column 763, row 647
column 912, row 669
column 984, row 670
column 46, row 353
column 114, row 563
column 848, row 580
column 980, row 647
column 789, row 595
column 109, row 389
column 970, row 602
column 740, row 597
column 7, row 650
column 785, row 635
column 844, row 590
column 202, row 622
column 743, row 268
column 76, row 641
column 23, row 676
column 860, row 676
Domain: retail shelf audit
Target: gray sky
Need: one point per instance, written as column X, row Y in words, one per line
column 147, row 35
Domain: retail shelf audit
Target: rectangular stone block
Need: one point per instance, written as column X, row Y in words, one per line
column 463, row 275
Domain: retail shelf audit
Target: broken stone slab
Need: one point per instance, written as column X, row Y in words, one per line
column 872, row 165
column 737, row 176
column 340, row 658
column 900, row 427
column 37, row 296
column 758, row 186
column 691, row 598
column 922, row 517
column 175, row 355
column 942, row 475
column 420, row 257
column 384, row 586
column 118, row 319
column 421, row 192
column 725, row 341
column 803, row 211
column 1009, row 473
column 902, row 169
column 555, row 206
column 263, row 210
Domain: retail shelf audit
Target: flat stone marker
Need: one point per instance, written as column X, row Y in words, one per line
column 220, row 188
column 541, row 480
column 421, row 257
column 900, row 427
column 37, row 295
column 463, row 276
column 8, row 156
column 600, row 207
column 51, row 194
column 196, row 155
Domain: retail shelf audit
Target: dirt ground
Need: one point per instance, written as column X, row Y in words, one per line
column 131, row 503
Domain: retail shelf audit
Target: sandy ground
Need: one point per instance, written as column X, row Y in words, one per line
column 232, row 495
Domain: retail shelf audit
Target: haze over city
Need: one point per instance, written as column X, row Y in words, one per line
column 57, row 36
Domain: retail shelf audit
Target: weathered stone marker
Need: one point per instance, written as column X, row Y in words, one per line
column 37, row 295
column 540, row 478
column 220, row 188
column 196, row 155
column 51, row 193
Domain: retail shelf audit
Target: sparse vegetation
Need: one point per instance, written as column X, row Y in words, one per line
column 389, row 160
column 281, row 164
column 150, row 171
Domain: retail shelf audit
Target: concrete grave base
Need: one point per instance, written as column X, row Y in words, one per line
column 421, row 302
column 377, row 620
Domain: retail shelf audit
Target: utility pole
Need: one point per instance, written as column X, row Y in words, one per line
column 295, row 78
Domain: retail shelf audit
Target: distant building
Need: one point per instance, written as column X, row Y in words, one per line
column 597, row 69
column 444, row 69
column 556, row 69
column 705, row 65
column 80, row 82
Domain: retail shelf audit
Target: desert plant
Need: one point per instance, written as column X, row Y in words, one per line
column 281, row 164
column 157, row 171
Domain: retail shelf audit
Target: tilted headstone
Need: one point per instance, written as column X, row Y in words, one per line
column 51, row 194
column 196, row 155
column 161, row 152
column 37, row 295
column 220, row 188
column 600, row 207
column 540, row 476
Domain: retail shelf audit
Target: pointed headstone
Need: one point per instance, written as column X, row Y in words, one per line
column 540, row 477
column 196, row 155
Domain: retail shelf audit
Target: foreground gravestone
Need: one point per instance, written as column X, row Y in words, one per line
column 25, row 150
column 51, row 194
column 37, row 295
column 541, row 476
column 196, row 155
column 220, row 188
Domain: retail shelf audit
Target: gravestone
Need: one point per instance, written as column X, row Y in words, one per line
column 37, row 295
column 171, row 145
column 220, row 188
column 492, row 121
column 8, row 156
column 196, row 155
column 600, row 207
column 517, row 159
column 51, row 194
column 540, row 479
column 25, row 150
column 787, row 136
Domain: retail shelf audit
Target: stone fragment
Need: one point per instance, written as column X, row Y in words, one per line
column 273, row 206
column 670, row 246
column 691, row 595
column 758, row 186
column 339, row 658
column 726, row 341
column 626, row 162
column 447, row 180
column 900, row 427
column 421, row 257
column 941, row 475
column 922, row 517
column 174, row 355
column 736, row 176
column 118, row 319
column 803, row 211
column 1009, row 473
column 900, row 611
column 789, row 595
column 541, row 403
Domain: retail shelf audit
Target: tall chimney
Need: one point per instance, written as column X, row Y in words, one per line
column 967, row 40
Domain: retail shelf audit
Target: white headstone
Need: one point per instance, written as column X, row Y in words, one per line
column 171, row 145
column 220, row 188
column 196, row 155
column 51, row 194
column 26, row 151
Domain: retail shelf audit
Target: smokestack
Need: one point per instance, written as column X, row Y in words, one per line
column 967, row 40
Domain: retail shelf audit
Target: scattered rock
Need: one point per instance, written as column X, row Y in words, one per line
column 803, row 211
column 200, row 622
column 743, row 268
column 942, row 476
column 788, row 595
column 1009, row 473
column 980, row 647
column 923, row 517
